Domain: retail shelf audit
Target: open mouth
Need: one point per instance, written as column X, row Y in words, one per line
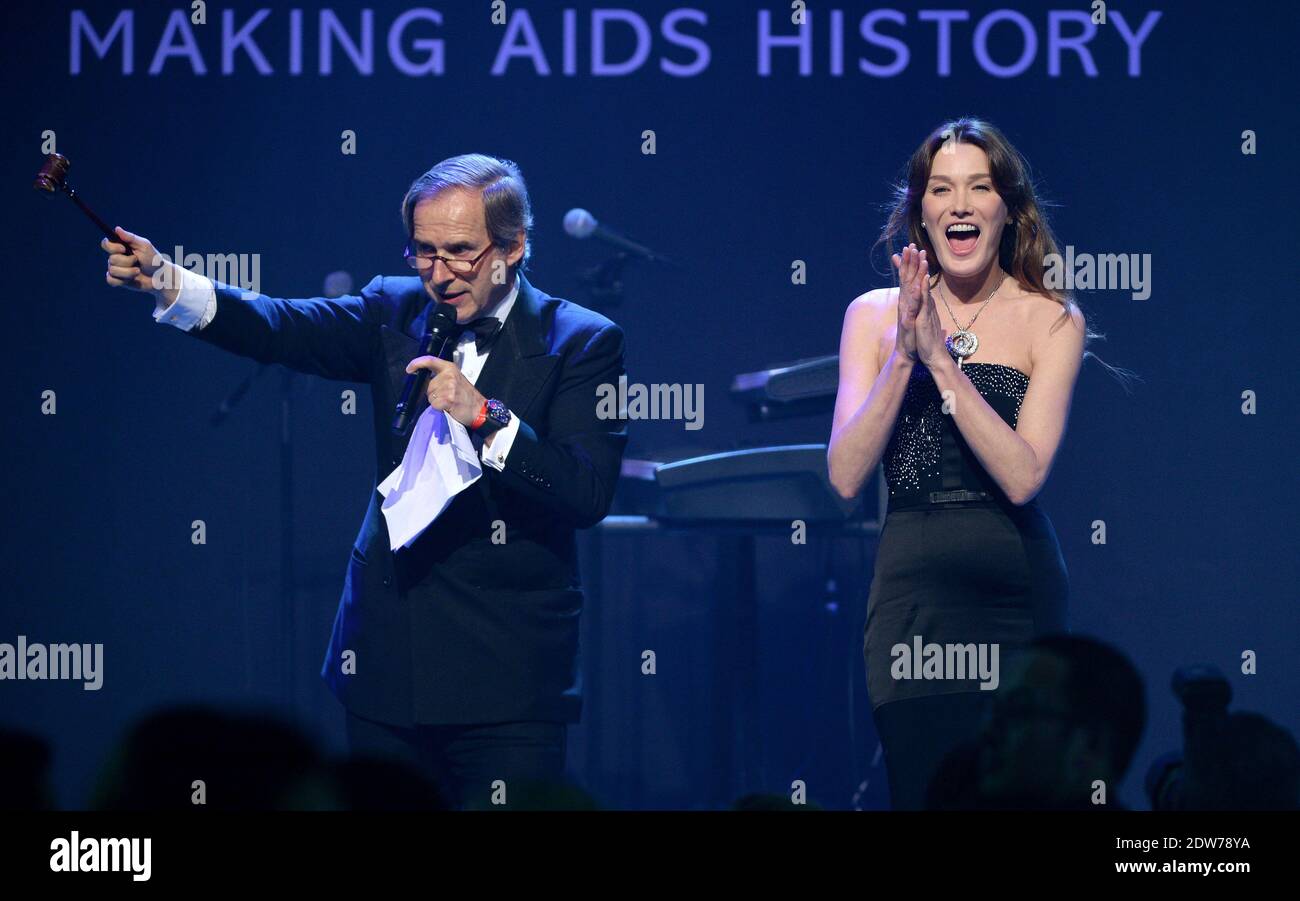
column 962, row 237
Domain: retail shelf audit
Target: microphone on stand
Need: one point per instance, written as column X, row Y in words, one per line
column 338, row 283
column 578, row 223
column 438, row 341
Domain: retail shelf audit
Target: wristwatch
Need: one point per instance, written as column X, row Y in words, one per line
column 492, row 416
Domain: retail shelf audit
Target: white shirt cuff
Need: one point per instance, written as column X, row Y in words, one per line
column 196, row 302
column 495, row 454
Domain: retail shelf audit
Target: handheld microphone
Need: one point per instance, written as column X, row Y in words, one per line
column 437, row 341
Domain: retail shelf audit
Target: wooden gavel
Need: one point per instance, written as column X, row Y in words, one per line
column 53, row 177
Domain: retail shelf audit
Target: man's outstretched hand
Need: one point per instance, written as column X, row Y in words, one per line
column 133, row 264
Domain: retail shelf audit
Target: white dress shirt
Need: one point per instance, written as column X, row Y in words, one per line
column 196, row 305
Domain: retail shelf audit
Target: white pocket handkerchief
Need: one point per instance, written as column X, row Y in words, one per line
column 440, row 463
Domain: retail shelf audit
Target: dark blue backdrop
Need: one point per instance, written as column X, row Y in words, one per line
column 750, row 173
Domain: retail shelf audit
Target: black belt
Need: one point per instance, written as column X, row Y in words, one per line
column 935, row 500
column 951, row 497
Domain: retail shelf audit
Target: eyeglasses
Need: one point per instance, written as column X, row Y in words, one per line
column 458, row 267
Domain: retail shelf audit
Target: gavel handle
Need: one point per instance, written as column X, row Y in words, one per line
column 103, row 226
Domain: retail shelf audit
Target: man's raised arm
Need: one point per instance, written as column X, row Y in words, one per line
column 330, row 337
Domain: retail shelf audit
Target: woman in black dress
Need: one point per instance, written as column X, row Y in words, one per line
column 960, row 381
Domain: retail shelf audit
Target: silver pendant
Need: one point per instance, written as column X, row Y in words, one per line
column 962, row 344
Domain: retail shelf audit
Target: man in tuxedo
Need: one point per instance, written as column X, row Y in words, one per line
column 457, row 652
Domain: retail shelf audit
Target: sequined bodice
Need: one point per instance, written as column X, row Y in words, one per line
column 927, row 453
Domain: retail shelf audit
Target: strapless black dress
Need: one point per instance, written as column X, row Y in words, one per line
column 957, row 565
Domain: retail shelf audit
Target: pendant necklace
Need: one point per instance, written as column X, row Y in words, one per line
column 963, row 343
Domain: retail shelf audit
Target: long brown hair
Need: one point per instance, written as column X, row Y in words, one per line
column 1027, row 237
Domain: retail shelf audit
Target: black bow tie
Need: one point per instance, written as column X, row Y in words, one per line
column 485, row 331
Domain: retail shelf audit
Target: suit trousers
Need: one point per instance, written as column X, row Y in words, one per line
column 464, row 761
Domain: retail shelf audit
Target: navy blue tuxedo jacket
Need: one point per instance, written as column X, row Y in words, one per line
column 458, row 628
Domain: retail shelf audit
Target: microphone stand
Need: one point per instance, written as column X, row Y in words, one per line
column 288, row 605
column 288, row 563
column 604, row 282
column 289, row 672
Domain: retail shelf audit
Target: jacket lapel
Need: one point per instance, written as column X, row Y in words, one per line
column 519, row 362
